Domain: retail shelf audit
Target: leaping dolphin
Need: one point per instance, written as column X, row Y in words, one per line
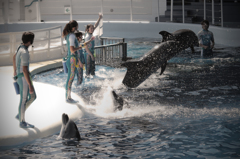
column 69, row 129
column 138, row 70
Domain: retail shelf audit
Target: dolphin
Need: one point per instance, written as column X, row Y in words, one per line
column 69, row 129
column 119, row 102
column 138, row 70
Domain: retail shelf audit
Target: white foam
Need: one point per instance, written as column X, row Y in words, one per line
column 106, row 104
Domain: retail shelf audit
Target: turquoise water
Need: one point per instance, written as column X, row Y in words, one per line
column 191, row 111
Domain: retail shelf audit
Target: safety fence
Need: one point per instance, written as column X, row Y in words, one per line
column 109, row 51
column 111, row 54
column 110, row 40
column 47, row 45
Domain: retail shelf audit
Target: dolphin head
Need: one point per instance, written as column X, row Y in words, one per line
column 65, row 118
column 186, row 37
column 118, row 101
column 166, row 36
column 114, row 94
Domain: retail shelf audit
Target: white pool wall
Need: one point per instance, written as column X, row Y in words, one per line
column 135, row 29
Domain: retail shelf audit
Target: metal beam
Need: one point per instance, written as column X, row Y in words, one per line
column 131, row 10
column 213, row 18
column 71, row 10
column 204, row 9
column 102, row 7
column 222, row 13
column 183, row 11
column 158, row 11
column 171, row 10
column 39, row 11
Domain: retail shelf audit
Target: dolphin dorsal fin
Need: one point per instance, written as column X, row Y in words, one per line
column 166, row 35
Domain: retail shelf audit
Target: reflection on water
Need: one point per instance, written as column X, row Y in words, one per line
column 192, row 111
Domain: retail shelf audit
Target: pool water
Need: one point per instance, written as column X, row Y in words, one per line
column 191, row 111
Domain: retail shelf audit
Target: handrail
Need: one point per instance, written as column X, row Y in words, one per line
column 47, row 47
column 115, row 38
column 102, row 46
column 110, row 40
column 38, row 30
column 31, row 3
column 111, row 54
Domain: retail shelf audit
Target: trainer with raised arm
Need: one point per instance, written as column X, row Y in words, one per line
column 89, row 40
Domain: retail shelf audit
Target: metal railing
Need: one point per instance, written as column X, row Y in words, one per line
column 110, row 40
column 189, row 11
column 112, row 53
column 48, row 45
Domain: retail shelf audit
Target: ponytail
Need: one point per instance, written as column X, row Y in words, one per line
column 68, row 27
column 66, row 30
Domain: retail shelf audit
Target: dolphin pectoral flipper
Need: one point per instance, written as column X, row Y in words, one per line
column 163, row 67
column 192, row 49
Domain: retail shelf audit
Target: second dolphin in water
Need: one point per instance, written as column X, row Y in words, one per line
column 69, row 129
column 119, row 102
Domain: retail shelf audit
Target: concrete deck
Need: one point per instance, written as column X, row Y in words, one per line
column 45, row 112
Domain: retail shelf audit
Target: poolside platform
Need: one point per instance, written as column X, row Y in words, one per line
column 45, row 113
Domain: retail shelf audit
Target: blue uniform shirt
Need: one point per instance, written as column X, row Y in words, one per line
column 205, row 37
